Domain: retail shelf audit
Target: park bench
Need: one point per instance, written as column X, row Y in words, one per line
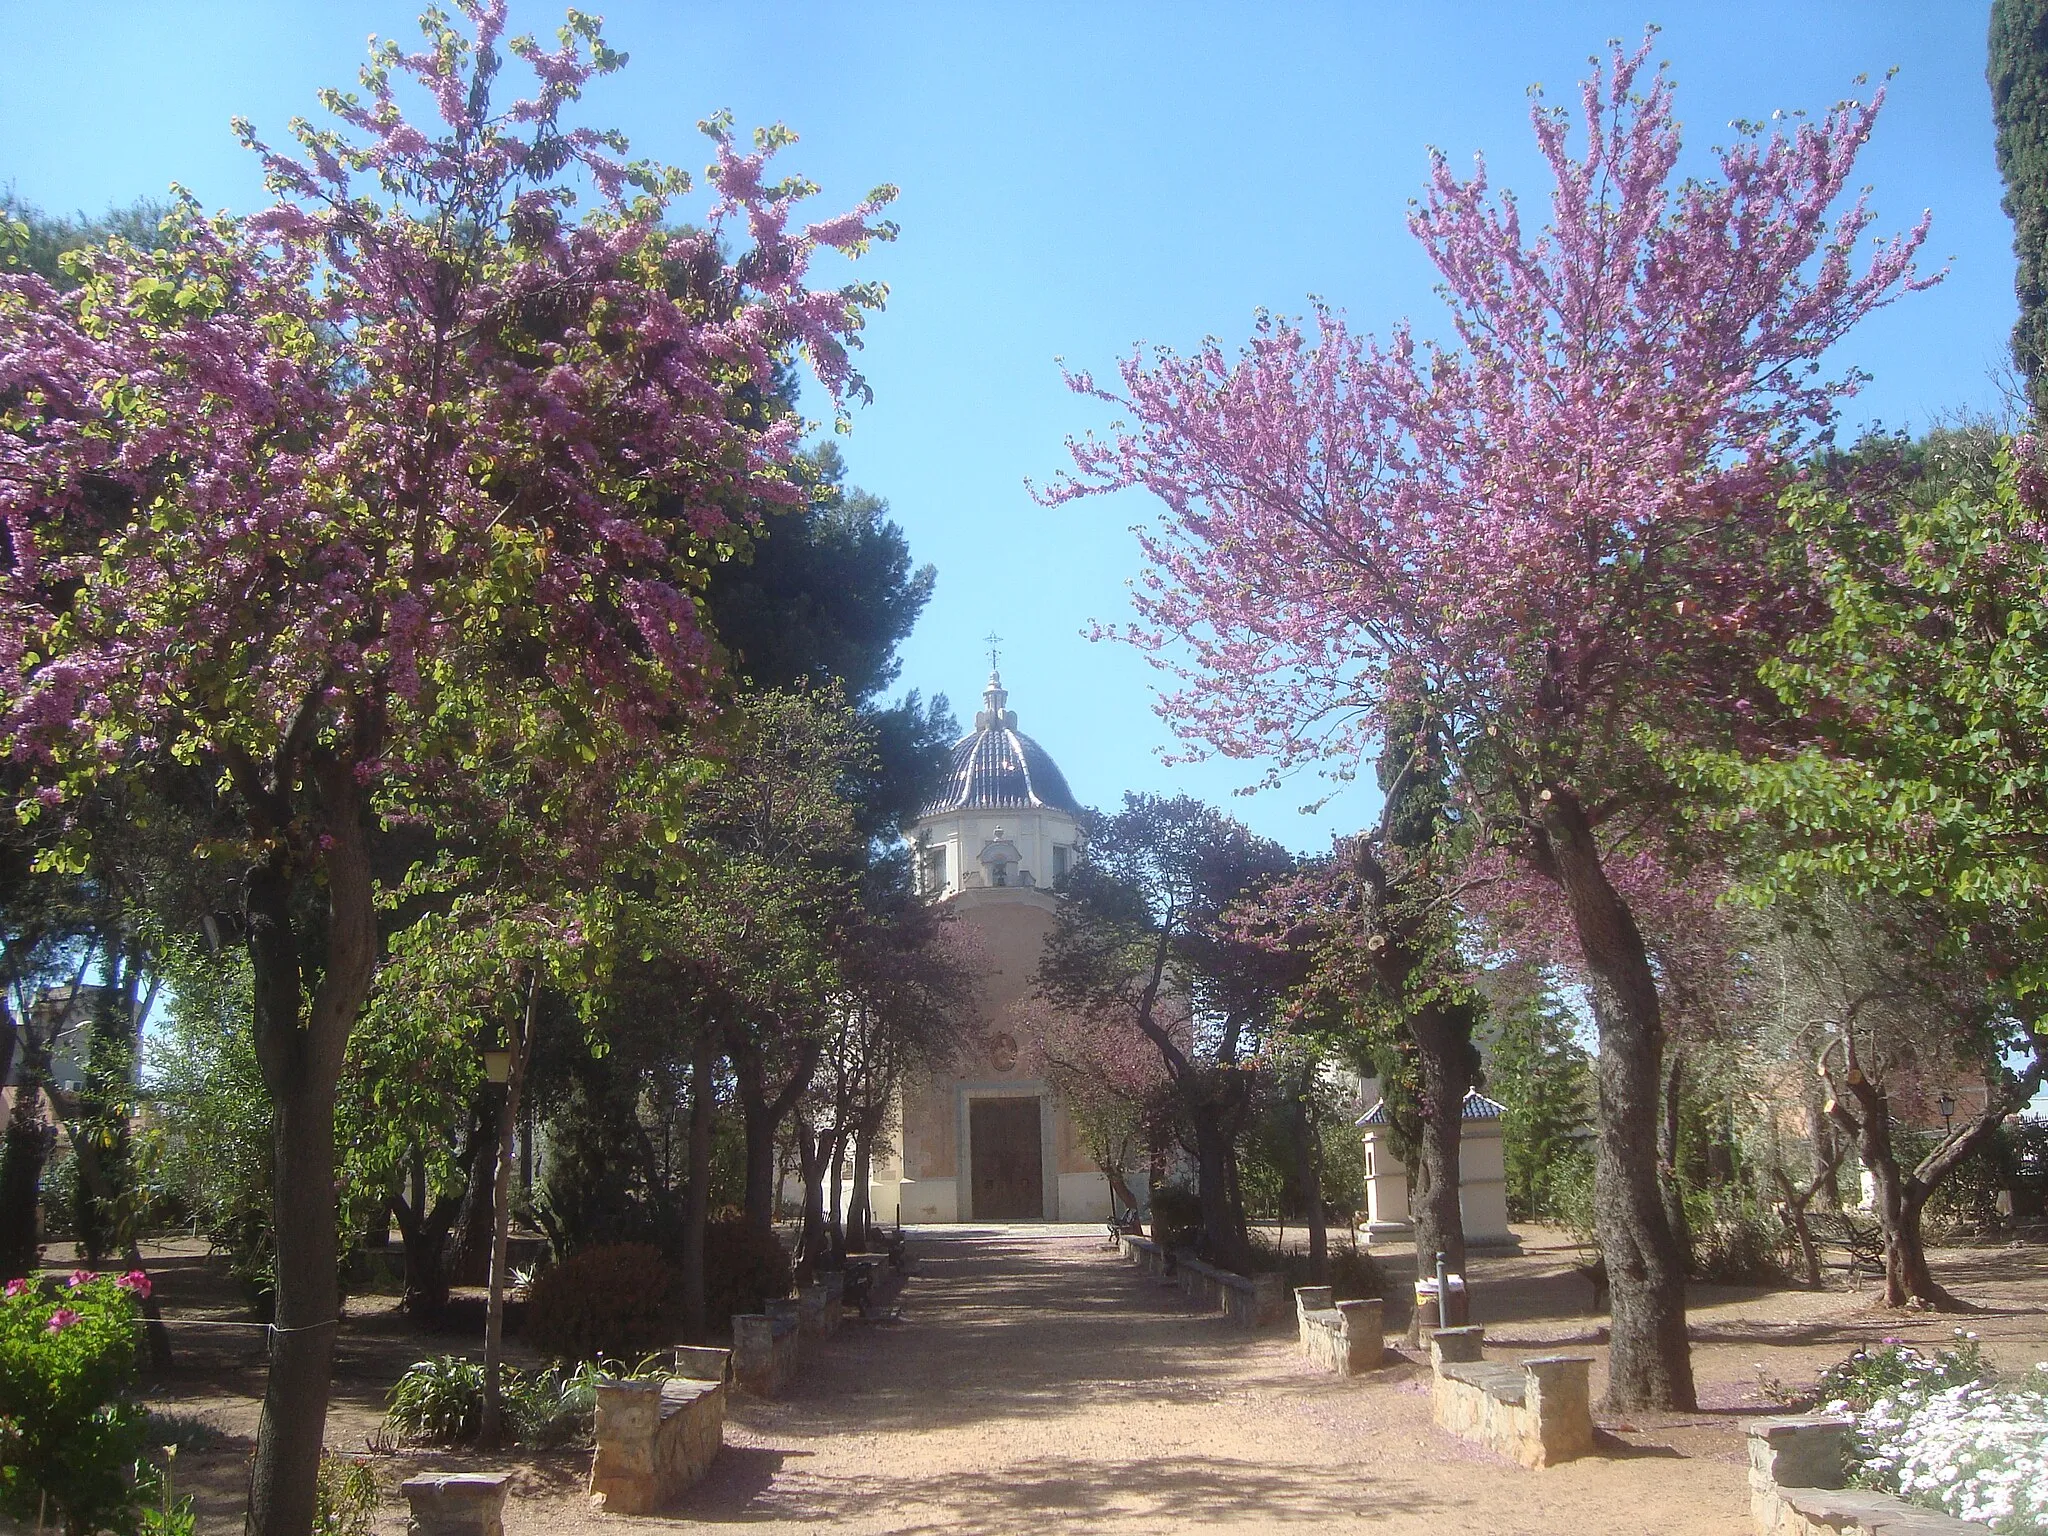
column 1795, row 1487
column 1253, row 1301
column 1860, row 1242
column 1340, row 1336
column 1537, row 1411
column 657, row 1438
column 765, row 1345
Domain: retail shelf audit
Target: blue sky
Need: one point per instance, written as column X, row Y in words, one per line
column 1078, row 179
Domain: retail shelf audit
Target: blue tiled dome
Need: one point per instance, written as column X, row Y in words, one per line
column 997, row 767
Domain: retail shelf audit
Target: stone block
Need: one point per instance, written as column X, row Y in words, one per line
column 654, row 1440
column 1464, row 1344
column 457, row 1503
column 764, row 1352
column 702, row 1362
column 1558, row 1395
column 811, row 1310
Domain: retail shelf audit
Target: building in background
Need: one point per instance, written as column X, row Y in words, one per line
column 983, row 1139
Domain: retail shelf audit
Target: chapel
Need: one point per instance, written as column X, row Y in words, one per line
column 983, row 1139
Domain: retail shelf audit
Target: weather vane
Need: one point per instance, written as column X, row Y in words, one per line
column 993, row 640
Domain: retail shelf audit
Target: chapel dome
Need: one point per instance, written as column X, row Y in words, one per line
column 997, row 767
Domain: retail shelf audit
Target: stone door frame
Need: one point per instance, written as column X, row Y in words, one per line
column 964, row 1094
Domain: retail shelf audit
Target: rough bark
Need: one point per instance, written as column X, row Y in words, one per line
column 1308, row 1165
column 1444, row 1054
column 300, row 1049
column 1214, row 1124
column 697, row 1184
column 1667, row 1156
column 1650, row 1365
column 860, row 1211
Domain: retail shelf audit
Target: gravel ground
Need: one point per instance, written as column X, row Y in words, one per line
column 1032, row 1381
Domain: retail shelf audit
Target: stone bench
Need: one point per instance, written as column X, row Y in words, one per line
column 1340, row 1336
column 1253, row 1301
column 1537, row 1411
column 657, row 1438
column 1795, row 1487
column 765, row 1346
column 819, row 1307
column 1143, row 1252
column 457, row 1503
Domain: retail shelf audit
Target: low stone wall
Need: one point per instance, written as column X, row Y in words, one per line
column 1340, row 1336
column 457, row 1503
column 764, row 1348
column 1537, row 1412
column 1253, row 1301
column 657, row 1438
column 1795, row 1487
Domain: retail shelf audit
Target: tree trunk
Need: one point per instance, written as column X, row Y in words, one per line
column 697, row 1184
column 860, row 1212
column 1444, row 1055
column 835, row 1221
column 300, row 1049
column 1650, row 1365
column 422, row 1241
column 1223, row 1236
column 810, row 1156
column 490, row 1430
column 1308, row 1170
column 1668, row 1154
column 29, row 1142
column 758, row 1126
column 466, row 1258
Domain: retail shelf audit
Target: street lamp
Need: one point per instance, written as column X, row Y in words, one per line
column 1945, row 1105
column 497, row 1064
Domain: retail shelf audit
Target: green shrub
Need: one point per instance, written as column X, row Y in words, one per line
column 345, row 1499
column 70, row 1430
column 1735, row 1239
column 613, row 1302
column 441, row 1402
column 1352, row 1274
column 1176, row 1216
column 438, row 1402
column 743, row 1267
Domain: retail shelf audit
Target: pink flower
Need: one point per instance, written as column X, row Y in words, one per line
column 61, row 1319
column 136, row 1282
column 80, row 1277
column 16, row 1288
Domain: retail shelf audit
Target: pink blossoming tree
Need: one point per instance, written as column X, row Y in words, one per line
column 1540, row 534
column 421, row 461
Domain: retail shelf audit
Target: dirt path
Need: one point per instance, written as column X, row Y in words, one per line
column 1034, row 1383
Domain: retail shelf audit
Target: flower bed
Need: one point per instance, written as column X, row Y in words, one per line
column 70, row 1428
column 1941, row 1431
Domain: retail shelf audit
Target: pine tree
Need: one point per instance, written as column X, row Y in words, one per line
column 2018, row 72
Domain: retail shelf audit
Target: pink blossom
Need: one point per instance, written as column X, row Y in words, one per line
column 17, row 1288
column 137, row 1283
column 80, row 1277
column 61, row 1319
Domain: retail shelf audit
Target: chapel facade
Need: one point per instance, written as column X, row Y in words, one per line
column 983, row 1139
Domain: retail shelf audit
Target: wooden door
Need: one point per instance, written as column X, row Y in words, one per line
column 1004, row 1145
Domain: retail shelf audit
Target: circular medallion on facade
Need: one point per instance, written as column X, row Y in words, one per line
column 1002, row 1052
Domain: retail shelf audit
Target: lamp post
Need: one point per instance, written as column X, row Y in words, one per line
column 1946, row 1106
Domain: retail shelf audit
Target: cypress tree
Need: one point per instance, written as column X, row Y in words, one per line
column 2018, row 72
